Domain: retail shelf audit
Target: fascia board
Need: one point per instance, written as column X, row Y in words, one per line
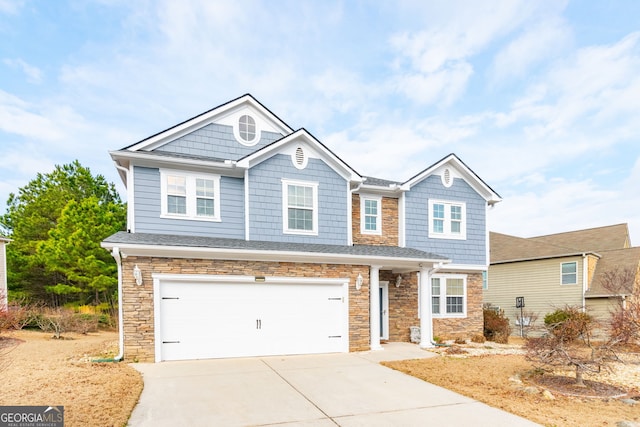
column 470, row 177
column 540, row 258
column 392, row 190
column 203, row 120
column 266, row 256
column 140, row 158
column 336, row 164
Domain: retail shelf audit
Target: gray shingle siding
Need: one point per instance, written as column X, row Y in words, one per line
column 265, row 195
column 216, row 141
column 469, row 251
column 147, row 208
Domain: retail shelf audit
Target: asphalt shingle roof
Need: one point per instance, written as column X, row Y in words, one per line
column 151, row 239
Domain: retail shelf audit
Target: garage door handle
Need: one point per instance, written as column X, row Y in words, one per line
column 170, row 297
column 170, row 342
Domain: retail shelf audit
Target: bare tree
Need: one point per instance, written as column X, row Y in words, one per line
column 568, row 342
column 625, row 316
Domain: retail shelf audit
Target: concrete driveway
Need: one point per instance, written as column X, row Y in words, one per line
column 315, row 390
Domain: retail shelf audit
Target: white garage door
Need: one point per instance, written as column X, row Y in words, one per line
column 201, row 320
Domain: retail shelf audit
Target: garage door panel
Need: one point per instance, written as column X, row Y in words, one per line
column 212, row 320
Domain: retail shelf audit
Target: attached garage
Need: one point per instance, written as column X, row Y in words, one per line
column 203, row 317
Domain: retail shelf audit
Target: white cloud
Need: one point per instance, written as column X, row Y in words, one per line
column 34, row 74
column 542, row 41
column 11, row 7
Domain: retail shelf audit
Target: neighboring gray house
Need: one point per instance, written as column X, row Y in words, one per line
column 555, row 270
column 247, row 237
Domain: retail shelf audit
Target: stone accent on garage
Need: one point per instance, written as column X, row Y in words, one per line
column 138, row 300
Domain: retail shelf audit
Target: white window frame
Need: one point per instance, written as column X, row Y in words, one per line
column 363, row 228
column 447, row 234
column 191, row 196
column 285, row 207
column 562, row 274
column 443, row 295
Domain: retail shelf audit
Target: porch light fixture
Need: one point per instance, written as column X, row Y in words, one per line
column 359, row 281
column 398, row 281
column 137, row 274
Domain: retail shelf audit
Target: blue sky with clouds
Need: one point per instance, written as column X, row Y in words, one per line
column 541, row 99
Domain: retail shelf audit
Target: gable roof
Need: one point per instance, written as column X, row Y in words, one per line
column 614, row 260
column 295, row 138
column 609, row 237
column 465, row 172
column 207, row 117
column 504, row 248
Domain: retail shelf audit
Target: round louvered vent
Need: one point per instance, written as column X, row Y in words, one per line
column 300, row 158
column 447, row 180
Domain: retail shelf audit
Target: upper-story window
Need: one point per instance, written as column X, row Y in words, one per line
column 190, row 196
column 569, row 273
column 448, row 295
column 447, row 220
column 370, row 215
column 247, row 128
column 300, row 207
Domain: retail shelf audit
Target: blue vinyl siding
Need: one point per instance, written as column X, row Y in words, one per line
column 216, row 141
column 470, row 251
column 147, row 209
column 265, row 195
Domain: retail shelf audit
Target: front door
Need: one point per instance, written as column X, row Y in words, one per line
column 384, row 310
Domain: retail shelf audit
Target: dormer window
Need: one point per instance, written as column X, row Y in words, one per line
column 247, row 128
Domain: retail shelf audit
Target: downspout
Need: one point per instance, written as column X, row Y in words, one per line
column 350, row 212
column 130, row 200
column 115, row 252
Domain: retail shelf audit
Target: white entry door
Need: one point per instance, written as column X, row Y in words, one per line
column 201, row 320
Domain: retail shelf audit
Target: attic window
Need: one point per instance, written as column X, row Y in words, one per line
column 299, row 158
column 447, row 180
column 247, row 128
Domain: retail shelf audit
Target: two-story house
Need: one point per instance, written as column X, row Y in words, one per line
column 247, row 237
column 595, row 269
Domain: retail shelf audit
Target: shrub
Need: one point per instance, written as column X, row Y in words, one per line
column 478, row 339
column 569, row 323
column 496, row 325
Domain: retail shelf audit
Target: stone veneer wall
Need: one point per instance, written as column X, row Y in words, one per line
column 389, row 211
column 138, row 300
column 403, row 309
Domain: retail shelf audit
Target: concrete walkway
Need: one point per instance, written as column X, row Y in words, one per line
column 313, row 390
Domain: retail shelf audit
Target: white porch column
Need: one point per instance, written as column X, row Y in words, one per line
column 426, row 321
column 374, row 307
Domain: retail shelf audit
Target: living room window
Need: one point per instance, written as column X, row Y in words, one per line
column 370, row 215
column 448, row 295
column 190, row 196
column 447, row 220
column 300, row 207
column 569, row 273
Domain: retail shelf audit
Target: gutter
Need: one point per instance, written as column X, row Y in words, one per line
column 118, row 358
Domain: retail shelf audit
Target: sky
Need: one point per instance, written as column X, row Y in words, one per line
column 541, row 99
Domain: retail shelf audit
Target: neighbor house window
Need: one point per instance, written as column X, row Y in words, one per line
column 370, row 215
column 569, row 273
column 448, row 295
column 485, row 280
column 447, row 220
column 190, row 196
column 300, row 207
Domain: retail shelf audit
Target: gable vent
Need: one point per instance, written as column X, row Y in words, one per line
column 446, row 178
column 300, row 158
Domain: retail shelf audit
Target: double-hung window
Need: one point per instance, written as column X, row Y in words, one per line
column 190, row 196
column 448, row 296
column 300, row 207
column 447, row 220
column 569, row 273
column 370, row 215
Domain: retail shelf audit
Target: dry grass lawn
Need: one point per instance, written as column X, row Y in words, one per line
column 489, row 379
column 40, row 370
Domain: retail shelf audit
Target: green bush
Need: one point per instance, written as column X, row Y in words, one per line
column 496, row 325
column 569, row 323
